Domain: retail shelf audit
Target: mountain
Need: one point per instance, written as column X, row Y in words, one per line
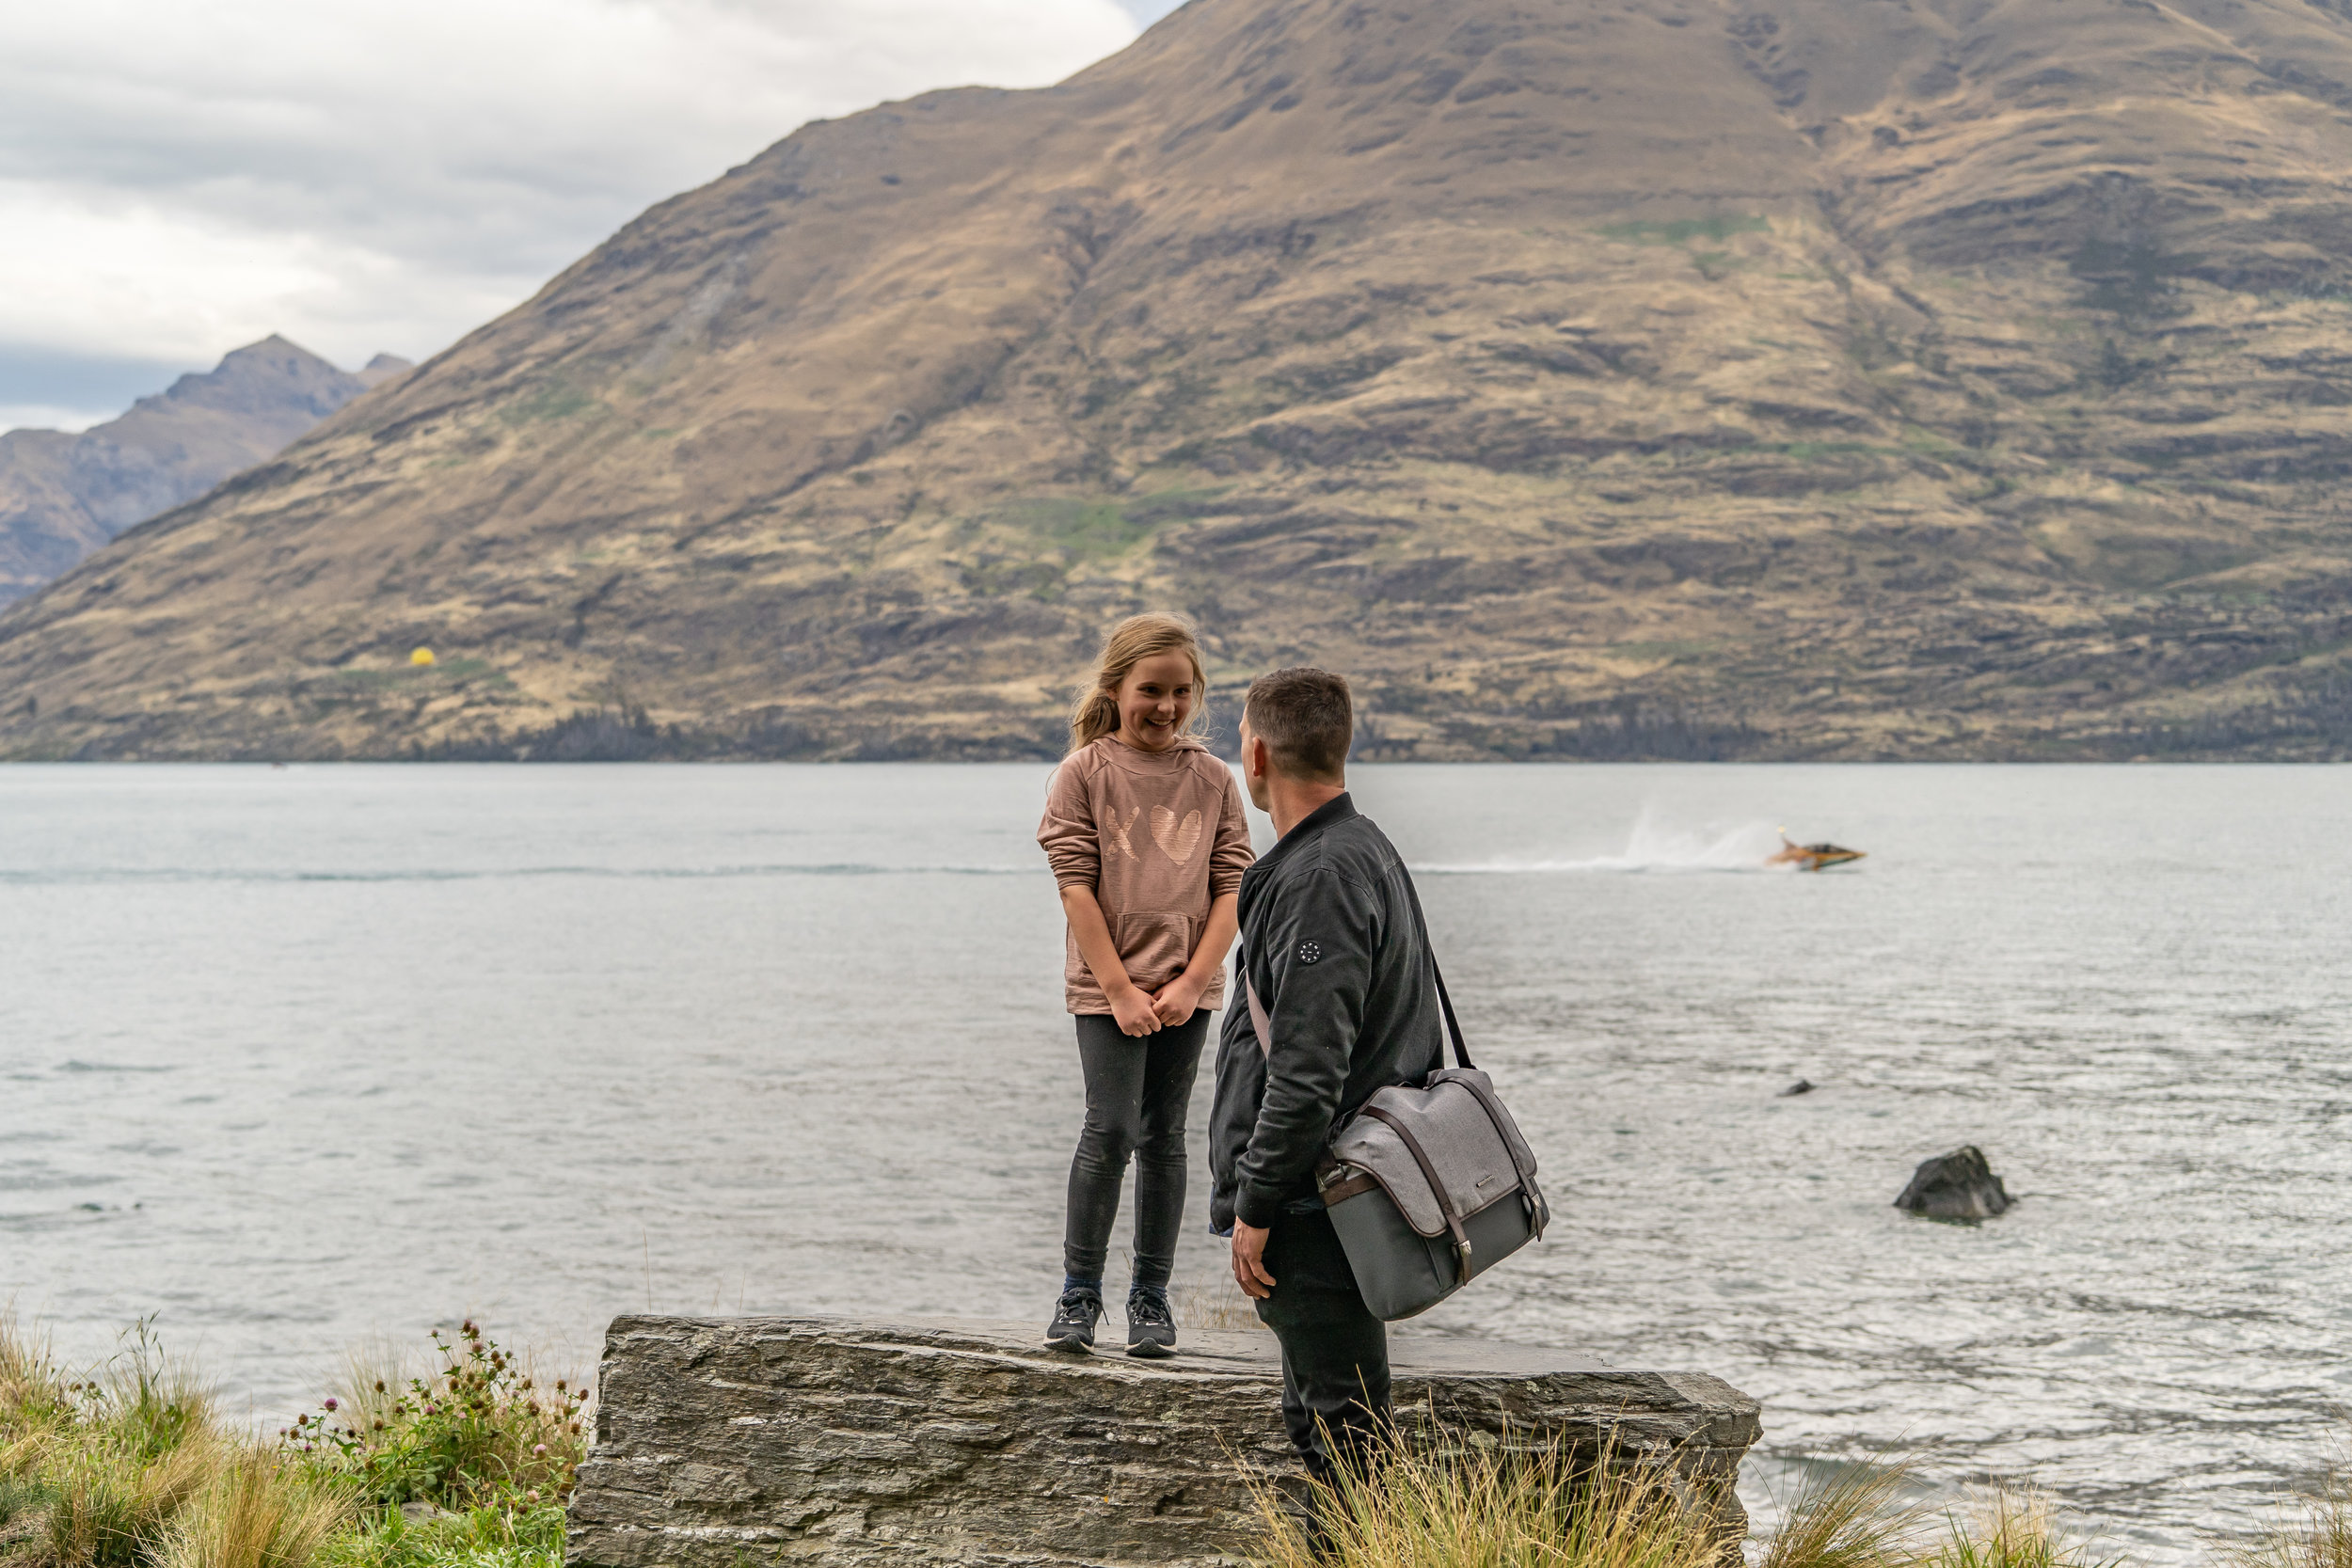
column 63, row 496
column 1774, row 378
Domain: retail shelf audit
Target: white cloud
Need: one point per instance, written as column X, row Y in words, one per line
column 178, row 179
column 47, row 416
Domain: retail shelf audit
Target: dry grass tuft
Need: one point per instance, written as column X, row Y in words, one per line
column 2013, row 1528
column 1488, row 1506
column 1853, row 1516
column 2321, row 1538
column 253, row 1512
column 32, row 1390
column 109, row 1502
column 1217, row 1304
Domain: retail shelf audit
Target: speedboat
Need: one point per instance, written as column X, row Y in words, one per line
column 1813, row 857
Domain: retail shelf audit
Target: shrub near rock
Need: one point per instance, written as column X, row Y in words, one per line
column 479, row 1433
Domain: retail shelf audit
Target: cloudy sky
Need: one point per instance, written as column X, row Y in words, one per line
column 178, row 178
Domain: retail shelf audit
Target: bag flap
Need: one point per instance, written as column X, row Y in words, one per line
column 1453, row 1130
column 1502, row 1118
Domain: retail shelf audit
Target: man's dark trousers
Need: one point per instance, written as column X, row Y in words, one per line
column 1335, row 1352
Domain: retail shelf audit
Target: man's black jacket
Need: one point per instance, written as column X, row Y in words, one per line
column 1330, row 937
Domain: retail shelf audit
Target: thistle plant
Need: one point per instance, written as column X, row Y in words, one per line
column 479, row 1433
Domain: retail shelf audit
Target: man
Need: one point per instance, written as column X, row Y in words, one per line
column 1333, row 948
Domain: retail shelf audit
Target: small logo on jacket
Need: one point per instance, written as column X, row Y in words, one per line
column 1309, row 952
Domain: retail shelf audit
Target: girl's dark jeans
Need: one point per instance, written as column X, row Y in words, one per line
column 1138, row 1091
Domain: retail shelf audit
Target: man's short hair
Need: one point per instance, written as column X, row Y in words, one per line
column 1307, row 721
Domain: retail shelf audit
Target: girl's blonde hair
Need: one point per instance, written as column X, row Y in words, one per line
column 1137, row 638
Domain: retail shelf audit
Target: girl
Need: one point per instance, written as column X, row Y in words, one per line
column 1145, row 831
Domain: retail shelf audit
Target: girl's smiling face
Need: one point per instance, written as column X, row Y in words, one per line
column 1156, row 700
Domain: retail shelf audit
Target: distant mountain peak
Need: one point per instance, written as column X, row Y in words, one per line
column 62, row 496
column 383, row 367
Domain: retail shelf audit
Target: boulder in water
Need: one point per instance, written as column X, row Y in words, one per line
column 1956, row 1186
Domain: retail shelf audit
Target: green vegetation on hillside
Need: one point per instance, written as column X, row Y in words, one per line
column 1683, row 231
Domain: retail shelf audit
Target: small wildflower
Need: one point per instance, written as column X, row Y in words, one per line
column 330, row 1404
column 539, row 1449
column 379, row 1386
column 531, row 1495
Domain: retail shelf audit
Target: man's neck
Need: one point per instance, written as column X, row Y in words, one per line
column 1290, row 802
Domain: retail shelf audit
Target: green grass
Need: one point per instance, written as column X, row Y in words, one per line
column 1062, row 533
column 1082, row 530
column 477, row 1538
column 1683, row 231
column 554, row 400
column 445, row 670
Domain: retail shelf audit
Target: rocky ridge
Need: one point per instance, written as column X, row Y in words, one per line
column 1678, row 378
column 64, row 495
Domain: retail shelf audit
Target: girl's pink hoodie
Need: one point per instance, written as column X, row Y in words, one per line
column 1157, row 836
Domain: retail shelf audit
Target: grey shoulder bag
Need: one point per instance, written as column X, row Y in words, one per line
column 1430, row 1185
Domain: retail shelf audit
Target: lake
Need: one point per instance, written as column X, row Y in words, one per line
column 302, row 1058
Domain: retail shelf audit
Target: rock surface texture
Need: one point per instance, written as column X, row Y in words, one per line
column 834, row 1441
column 1956, row 1186
column 1662, row 378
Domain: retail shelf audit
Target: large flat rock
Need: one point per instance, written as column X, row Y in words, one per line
column 844, row 1441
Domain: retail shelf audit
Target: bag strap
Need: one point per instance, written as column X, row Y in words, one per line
column 1445, row 1001
column 1257, row 1011
column 1540, row 1211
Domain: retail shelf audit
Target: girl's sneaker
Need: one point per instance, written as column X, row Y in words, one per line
column 1074, row 1317
column 1151, row 1326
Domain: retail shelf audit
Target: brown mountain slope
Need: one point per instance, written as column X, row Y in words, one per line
column 1779, row 377
column 63, row 496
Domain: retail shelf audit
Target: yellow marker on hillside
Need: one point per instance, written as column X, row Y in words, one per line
column 423, row 656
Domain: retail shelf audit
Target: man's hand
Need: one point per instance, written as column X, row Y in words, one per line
column 1178, row 1001
column 1250, row 1262
column 1134, row 1011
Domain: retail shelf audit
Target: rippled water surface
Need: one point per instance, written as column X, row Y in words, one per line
column 299, row 1057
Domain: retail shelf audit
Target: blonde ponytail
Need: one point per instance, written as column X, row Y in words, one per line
column 1095, row 713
